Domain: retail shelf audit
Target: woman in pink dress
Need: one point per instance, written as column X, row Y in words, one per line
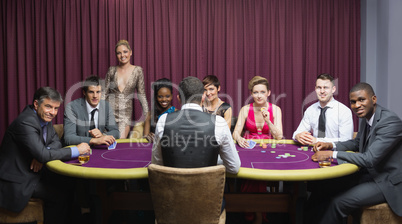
column 261, row 119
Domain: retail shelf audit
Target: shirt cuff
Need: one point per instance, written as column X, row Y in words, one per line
column 74, row 152
column 333, row 146
column 334, row 154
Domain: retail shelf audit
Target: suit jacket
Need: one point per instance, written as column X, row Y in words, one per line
column 77, row 122
column 381, row 154
column 22, row 142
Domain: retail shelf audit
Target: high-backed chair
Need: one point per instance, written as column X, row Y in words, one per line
column 138, row 130
column 187, row 195
column 33, row 212
column 59, row 130
column 378, row 214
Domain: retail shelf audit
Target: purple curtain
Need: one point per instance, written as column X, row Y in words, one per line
column 60, row 42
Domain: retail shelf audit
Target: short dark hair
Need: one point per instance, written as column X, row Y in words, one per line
column 211, row 80
column 191, row 90
column 90, row 81
column 363, row 86
column 326, row 76
column 46, row 93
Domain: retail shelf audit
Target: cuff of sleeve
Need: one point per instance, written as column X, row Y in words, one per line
column 333, row 146
column 74, row 152
column 334, row 154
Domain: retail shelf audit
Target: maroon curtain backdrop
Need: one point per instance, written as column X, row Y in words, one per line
column 60, row 42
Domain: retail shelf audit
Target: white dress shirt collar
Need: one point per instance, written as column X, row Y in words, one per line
column 90, row 108
column 330, row 104
column 370, row 122
column 192, row 106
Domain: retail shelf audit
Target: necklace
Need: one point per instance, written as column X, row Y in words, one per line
column 216, row 109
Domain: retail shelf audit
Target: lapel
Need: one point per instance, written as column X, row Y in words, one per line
column 377, row 117
column 85, row 112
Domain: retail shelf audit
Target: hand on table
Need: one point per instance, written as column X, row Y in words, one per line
column 305, row 138
column 36, row 166
column 83, row 148
column 243, row 142
column 322, row 155
column 104, row 140
column 95, row 133
column 321, row 146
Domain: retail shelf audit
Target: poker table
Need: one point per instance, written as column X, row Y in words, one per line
column 280, row 160
column 285, row 162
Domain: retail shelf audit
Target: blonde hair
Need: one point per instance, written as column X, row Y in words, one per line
column 257, row 80
column 122, row 42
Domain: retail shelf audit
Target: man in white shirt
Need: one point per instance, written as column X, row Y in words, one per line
column 336, row 118
column 191, row 138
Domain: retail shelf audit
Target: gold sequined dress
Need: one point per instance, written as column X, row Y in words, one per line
column 122, row 102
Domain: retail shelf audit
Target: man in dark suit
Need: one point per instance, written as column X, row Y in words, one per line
column 379, row 151
column 29, row 142
column 90, row 119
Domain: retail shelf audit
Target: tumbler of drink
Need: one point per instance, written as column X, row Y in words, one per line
column 84, row 158
column 324, row 162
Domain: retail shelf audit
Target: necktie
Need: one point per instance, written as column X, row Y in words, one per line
column 367, row 131
column 44, row 132
column 321, row 123
column 368, row 127
column 92, row 124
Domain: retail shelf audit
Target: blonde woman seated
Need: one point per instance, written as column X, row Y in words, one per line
column 261, row 119
column 212, row 103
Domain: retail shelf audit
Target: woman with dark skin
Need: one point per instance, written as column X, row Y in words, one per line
column 162, row 103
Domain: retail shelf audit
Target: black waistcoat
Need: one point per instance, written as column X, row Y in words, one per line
column 188, row 140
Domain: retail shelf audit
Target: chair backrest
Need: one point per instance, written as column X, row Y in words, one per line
column 59, row 130
column 187, row 195
column 138, row 130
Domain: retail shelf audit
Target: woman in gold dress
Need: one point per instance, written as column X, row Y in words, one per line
column 121, row 81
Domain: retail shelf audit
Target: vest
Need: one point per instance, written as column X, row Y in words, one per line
column 188, row 140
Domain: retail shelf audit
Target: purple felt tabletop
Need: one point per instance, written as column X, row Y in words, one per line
column 282, row 157
column 137, row 155
column 125, row 155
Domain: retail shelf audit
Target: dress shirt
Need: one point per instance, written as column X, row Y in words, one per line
column 74, row 150
column 369, row 122
column 338, row 126
column 89, row 110
column 228, row 152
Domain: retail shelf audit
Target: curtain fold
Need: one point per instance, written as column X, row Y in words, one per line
column 60, row 42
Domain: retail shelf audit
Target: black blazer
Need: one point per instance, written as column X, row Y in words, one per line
column 22, row 143
column 381, row 155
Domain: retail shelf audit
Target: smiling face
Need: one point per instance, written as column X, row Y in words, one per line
column 325, row 90
column 93, row 95
column 211, row 92
column 362, row 104
column 123, row 54
column 47, row 110
column 164, row 97
column 260, row 94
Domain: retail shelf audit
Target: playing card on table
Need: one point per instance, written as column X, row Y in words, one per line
column 251, row 144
